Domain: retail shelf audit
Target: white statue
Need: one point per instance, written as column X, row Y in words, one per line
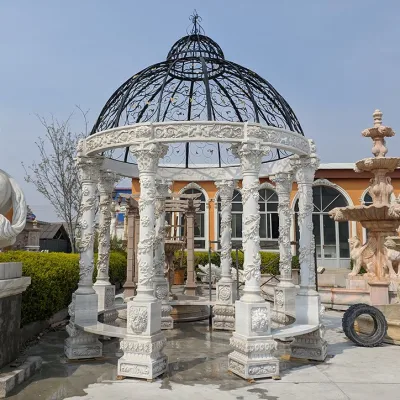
column 11, row 197
column 204, row 275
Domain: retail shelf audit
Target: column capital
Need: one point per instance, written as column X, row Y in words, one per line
column 107, row 181
column 162, row 188
column 148, row 156
column 305, row 168
column 88, row 168
column 250, row 155
column 225, row 187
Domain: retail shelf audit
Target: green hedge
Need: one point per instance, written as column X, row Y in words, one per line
column 269, row 260
column 54, row 277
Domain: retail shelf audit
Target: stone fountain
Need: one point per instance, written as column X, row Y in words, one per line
column 379, row 256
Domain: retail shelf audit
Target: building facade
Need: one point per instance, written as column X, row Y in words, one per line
column 335, row 185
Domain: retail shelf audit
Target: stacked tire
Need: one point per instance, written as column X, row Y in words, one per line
column 375, row 338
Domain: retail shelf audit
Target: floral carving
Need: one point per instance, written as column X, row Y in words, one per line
column 138, row 318
column 260, row 319
column 161, row 292
column 279, row 298
column 236, row 367
column 263, row 369
column 224, row 293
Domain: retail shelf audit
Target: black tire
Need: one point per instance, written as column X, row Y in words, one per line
column 364, row 340
column 347, row 314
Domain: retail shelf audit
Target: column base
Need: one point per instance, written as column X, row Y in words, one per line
column 284, row 299
column 253, row 357
column 191, row 289
column 167, row 321
column 224, row 317
column 129, row 290
column 311, row 346
column 143, row 357
column 81, row 345
column 105, row 296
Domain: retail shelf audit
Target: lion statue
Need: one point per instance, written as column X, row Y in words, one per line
column 365, row 256
column 11, row 197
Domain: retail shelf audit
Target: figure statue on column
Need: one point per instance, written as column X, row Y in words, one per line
column 11, row 198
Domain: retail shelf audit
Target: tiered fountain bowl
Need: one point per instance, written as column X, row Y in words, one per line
column 379, row 285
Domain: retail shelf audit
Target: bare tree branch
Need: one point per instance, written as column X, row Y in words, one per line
column 56, row 176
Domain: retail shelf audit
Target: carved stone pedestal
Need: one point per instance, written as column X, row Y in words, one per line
column 253, row 345
column 80, row 344
column 224, row 310
column 311, row 346
column 284, row 299
column 167, row 322
column 144, row 342
column 106, row 302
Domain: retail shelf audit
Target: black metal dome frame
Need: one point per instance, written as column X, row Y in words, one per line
column 197, row 83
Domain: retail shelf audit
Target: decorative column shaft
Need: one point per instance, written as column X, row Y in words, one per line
column 89, row 171
column 224, row 311
column 252, row 342
column 305, row 172
column 284, row 292
column 191, row 286
column 160, row 282
column 83, row 308
column 102, row 286
column 308, row 303
column 144, row 342
column 131, row 247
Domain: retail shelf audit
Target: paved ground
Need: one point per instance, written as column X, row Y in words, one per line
column 198, row 370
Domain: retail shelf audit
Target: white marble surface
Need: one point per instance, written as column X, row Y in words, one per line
column 350, row 372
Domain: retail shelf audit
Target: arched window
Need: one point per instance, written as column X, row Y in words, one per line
column 269, row 219
column 331, row 237
column 367, row 200
column 237, row 212
column 199, row 228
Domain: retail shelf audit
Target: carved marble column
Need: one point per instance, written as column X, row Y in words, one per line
column 160, row 282
column 224, row 310
column 131, row 247
column 143, row 345
column 105, row 291
column 190, row 286
column 308, row 303
column 83, row 308
column 252, row 342
column 285, row 291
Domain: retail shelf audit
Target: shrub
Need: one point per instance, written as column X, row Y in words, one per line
column 54, row 277
column 269, row 260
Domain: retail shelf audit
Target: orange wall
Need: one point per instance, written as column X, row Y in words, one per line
column 354, row 185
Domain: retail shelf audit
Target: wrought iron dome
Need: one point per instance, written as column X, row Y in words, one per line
column 196, row 83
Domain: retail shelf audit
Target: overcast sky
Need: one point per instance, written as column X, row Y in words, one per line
column 334, row 61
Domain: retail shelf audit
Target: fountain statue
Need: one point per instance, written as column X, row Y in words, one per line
column 381, row 219
column 204, row 273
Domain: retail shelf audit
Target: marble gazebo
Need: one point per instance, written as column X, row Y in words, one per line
column 197, row 116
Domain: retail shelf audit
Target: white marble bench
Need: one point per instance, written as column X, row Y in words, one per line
column 293, row 330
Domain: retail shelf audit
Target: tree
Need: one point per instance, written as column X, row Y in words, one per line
column 56, row 176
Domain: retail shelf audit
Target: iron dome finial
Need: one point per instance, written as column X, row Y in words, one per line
column 196, row 28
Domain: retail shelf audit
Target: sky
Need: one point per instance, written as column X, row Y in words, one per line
column 334, row 61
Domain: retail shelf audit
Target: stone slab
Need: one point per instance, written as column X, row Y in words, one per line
column 10, row 270
column 12, row 377
column 14, row 286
